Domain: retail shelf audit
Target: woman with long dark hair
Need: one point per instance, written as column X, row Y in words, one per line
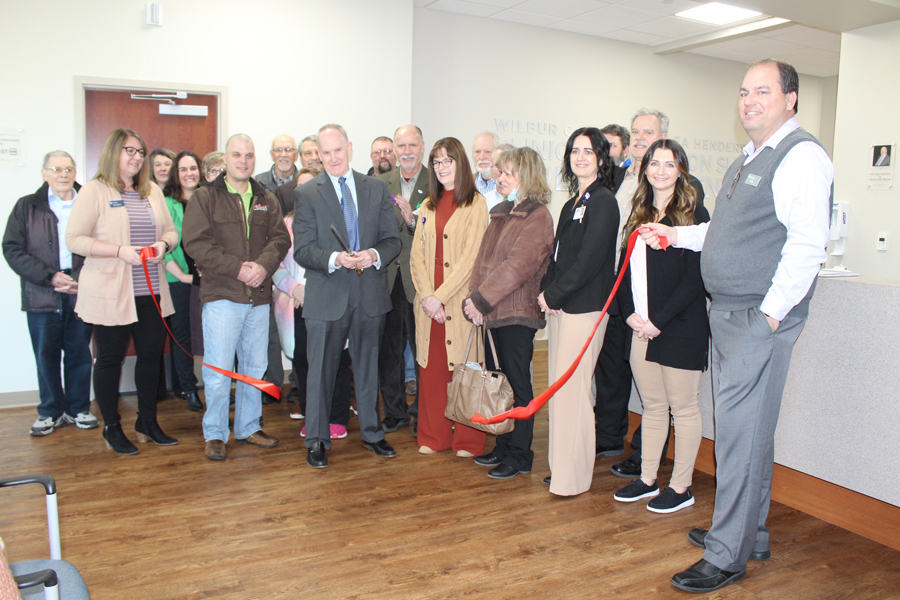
column 184, row 179
column 119, row 212
column 450, row 225
column 664, row 297
column 578, row 282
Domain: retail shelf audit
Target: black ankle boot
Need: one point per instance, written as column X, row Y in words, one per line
column 193, row 402
column 116, row 440
column 148, row 429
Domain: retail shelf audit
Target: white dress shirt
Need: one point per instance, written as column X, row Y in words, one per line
column 62, row 209
column 351, row 183
column 800, row 183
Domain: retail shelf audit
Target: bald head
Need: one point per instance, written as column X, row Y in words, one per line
column 409, row 147
column 284, row 154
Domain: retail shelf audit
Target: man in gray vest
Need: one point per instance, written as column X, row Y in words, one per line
column 761, row 254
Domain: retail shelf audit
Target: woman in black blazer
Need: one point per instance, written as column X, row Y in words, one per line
column 577, row 284
column 664, row 296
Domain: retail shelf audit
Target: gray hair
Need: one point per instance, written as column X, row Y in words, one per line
column 56, row 154
column 417, row 128
column 487, row 134
column 660, row 116
column 333, row 127
column 309, row 138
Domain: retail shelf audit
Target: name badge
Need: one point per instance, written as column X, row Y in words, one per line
column 116, row 203
column 579, row 213
column 753, row 179
column 261, row 207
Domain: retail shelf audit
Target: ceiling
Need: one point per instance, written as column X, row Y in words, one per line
column 810, row 40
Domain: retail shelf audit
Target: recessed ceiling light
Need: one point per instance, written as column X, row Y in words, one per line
column 716, row 13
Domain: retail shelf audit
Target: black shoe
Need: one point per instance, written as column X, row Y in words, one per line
column 391, row 424
column 148, row 429
column 636, row 490
column 547, row 479
column 487, row 460
column 380, row 448
column 504, row 471
column 670, row 501
column 610, row 451
column 704, row 576
column 697, row 537
column 316, row 457
column 269, row 399
column 193, row 402
column 116, row 440
column 630, row 467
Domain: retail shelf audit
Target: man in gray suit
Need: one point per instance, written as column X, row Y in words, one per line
column 761, row 254
column 408, row 186
column 347, row 292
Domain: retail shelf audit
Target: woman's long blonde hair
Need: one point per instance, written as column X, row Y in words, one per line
column 108, row 169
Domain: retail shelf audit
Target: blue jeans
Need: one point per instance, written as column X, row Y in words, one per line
column 55, row 336
column 229, row 327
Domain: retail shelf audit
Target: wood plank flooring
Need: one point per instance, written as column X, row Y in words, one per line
column 169, row 524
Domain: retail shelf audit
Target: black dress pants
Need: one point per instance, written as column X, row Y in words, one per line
column 515, row 351
column 340, row 399
column 612, row 376
column 399, row 327
column 149, row 336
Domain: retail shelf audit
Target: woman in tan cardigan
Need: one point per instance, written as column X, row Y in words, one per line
column 455, row 214
column 119, row 212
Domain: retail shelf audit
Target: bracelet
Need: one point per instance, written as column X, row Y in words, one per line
column 117, row 251
column 167, row 245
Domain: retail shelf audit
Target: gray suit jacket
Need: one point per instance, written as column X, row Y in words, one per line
column 407, row 233
column 318, row 207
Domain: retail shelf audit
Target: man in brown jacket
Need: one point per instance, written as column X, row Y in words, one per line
column 234, row 230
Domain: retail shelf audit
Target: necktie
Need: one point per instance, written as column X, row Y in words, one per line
column 350, row 218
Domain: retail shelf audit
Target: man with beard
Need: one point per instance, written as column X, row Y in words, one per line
column 284, row 169
column 383, row 158
column 408, row 186
column 619, row 139
column 482, row 149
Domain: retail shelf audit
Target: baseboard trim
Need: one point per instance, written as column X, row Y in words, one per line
column 19, row 399
column 861, row 514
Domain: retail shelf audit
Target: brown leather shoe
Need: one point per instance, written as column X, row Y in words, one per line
column 260, row 439
column 215, row 450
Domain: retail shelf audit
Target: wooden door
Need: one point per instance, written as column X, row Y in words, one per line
column 106, row 110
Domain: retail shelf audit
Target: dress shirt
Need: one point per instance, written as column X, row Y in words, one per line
column 483, row 185
column 800, row 182
column 62, row 209
column 351, row 183
column 624, row 195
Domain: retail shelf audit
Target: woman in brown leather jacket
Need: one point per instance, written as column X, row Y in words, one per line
column 503, row 291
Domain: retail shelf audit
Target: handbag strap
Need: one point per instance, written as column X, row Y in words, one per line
column 493, row 350
column 469, row 345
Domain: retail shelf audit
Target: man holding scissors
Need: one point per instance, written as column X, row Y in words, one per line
column 344, row 232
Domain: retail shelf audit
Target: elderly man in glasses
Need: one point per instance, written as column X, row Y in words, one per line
column 33, row 247
column 284, row 156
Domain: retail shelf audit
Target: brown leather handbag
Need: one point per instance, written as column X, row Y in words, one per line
column 475, row 390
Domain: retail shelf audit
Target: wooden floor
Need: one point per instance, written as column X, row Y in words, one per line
column 169, row 524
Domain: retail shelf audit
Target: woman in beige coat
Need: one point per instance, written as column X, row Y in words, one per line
column 118, row 213
column 456, row 215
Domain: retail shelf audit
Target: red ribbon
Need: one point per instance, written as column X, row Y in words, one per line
column 263, row 386
column 526, row 412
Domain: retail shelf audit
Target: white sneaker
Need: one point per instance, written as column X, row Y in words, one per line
column 83, row 420
column 45, row 426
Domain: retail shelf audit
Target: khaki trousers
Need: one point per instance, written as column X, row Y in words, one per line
column 572, row 432
column 663, row 388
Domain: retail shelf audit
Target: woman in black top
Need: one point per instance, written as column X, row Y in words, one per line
column 577, row 284
column 664, row 296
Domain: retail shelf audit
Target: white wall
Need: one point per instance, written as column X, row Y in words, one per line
column 289, row 66
column 868, row 87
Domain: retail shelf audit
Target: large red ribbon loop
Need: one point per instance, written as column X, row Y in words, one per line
column 526, row 412
column 263, row 386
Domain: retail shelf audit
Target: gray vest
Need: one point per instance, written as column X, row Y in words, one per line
column 743, row 245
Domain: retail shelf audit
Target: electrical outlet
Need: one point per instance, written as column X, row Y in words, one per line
column 881, row 246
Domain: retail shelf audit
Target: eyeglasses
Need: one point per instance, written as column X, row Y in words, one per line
column 217, row 172
column 283, row 150
column 380, row 152
column 58, row 170
column 130, row 151
column 446, row 162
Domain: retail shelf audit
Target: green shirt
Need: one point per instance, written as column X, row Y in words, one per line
column 176, row 208
column 246, row 197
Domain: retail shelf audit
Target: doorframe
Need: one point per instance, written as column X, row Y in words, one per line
column 83, row 83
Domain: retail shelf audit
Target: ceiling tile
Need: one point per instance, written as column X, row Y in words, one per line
column 780, row 30
column 834, row 46
column 564, row 9
column 616, row 15
column 821, row 68
column 582, row 27
column 527, row 18
column 671, row 27
column 807, row 36
column 804, row 55
column 762, row 48
column 667, row 7
column 466, row 8
column 635, row 37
